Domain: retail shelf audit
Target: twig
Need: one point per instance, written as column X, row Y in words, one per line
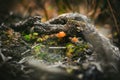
column 57, row 47
column 29, row 49
column 115, row 21
column 2, row 56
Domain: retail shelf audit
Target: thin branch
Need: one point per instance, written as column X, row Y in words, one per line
column 28, row 50
column 115, row 20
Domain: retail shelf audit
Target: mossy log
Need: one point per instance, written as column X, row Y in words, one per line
column 72, row 23
column 108, row 55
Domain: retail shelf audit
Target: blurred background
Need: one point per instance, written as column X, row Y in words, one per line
column 105, row 14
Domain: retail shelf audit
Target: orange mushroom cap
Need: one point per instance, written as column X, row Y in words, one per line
column 61, row 34
column 74, row 39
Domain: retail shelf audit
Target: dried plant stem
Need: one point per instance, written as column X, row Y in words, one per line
column 115, row 21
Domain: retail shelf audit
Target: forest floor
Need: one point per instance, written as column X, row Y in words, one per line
column 27, row 54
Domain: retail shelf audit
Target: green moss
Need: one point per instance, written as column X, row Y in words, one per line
column 27, row 37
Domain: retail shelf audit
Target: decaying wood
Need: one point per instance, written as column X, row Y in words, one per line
column 26, row 24
column 107, row 53
column 32, row 24
column 108, row 56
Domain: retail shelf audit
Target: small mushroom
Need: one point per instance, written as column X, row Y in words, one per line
column 61, row 34
column 74, row 39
